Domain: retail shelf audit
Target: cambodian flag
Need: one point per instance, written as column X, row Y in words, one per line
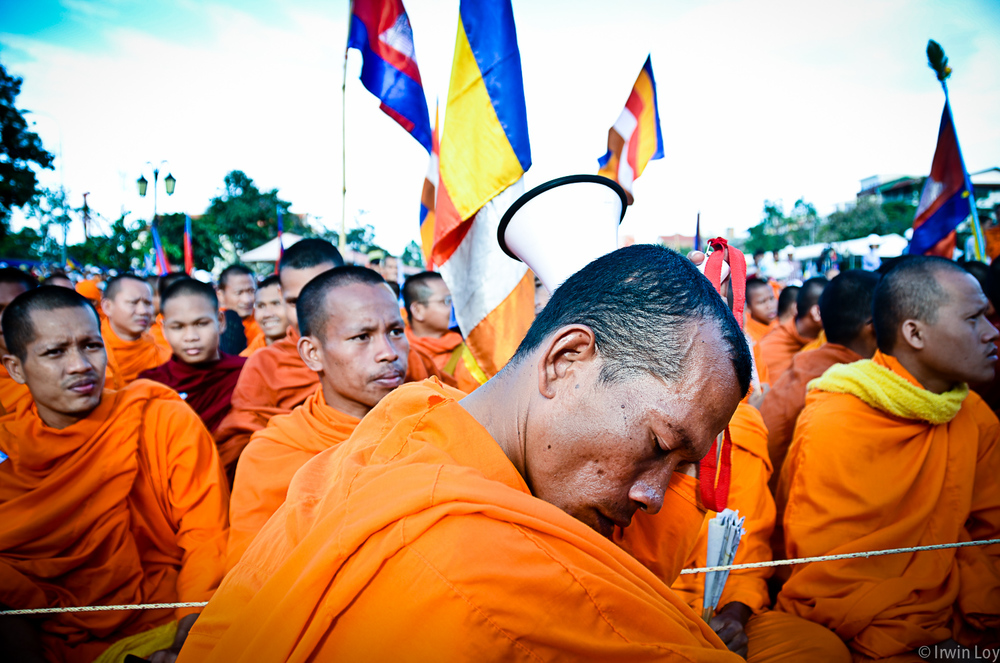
column 188, row 249
column 162, row 265
column 381, row 30
column 946, row 199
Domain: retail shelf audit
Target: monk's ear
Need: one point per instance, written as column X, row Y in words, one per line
column 418, row 311
column 561, row 354
column 815, row 314
column 913, row 334
column 14, row 369
column 222, row 322
column 309, row 350
column 106, row 306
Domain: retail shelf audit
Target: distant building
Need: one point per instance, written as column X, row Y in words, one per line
column 906, row 188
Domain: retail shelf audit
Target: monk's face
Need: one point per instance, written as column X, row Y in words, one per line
column 434, row 312
column 601, row 451
column 191, row 325
column 64, row 364
column 961, row 346
column 292, row 282
column 270, row 312
column 361, row 354
column 238, row 295
column 762, row 304
column 8, row 291
column 131, row 311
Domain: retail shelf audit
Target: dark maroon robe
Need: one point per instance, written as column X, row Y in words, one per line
column 207, row 387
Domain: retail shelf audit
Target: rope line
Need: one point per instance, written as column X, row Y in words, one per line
column 707, row 569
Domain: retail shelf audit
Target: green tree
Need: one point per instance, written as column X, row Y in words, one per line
column 867, row 217
column 802, row 224
column 244, row 215
column 362, row 239
column 770, row 234
column 20, row 152
column 123, row 250
column 413, row 255
column 20, row 245
column 204, row 240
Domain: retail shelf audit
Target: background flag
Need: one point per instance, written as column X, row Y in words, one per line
column 380, row 29
column 635, row 139
column 188, row 249
column 697, row 233
column 281, row 241
column 484, row 155
column 162, row 265
column 946, row 199
column 427, row 197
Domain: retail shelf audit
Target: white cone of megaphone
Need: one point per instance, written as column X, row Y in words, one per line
column 561, row 226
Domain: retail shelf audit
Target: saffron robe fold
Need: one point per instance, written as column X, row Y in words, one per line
column 207, row 387
column 857, row 479
column 417, row 539
column 132, row 357
column 254, row 345
column 787, row 397
column 269, row 462
column 125, row 506
column 156, row 331
column 11, row 393
column 251, row 329
column 758, row 330
column 444, row 351
column 779, row 346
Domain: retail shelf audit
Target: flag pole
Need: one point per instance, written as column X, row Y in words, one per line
column 343, row 141
column 937, row 61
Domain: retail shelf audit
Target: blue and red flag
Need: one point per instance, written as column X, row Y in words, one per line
column 946, row 199
column 380, row 29
column 188, row 249
column 162, row 265
column 281, row 241
column 697, row 233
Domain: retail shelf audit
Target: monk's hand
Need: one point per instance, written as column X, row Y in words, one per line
column 697, row 257
column 170, row 654
column 729, row 625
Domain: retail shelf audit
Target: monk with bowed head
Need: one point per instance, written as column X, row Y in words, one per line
column 13, row 282
column 896, row 452
column 128, row 305
column 353, row 337
column 269, row 312
column 762, row 309
column 236, row 293
column 477, row 527
column 202, row 375
column 106, row 497
column 275, row 379
column 428, row 307
column 787, row 303
column 781, row 343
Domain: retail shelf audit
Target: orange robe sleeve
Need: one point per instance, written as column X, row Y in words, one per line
column 857, row 479
column 11, row 392
column 251, row 329
column 450, row 357
column 259, row 342
column 461, row 564
column 779, row 346
column 272, row 458
column 133, row 357
column 156, row 333
column 758, row 330
column 180, row 505
column 749, row 494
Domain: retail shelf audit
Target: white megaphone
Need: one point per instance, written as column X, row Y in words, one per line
column 561, row 226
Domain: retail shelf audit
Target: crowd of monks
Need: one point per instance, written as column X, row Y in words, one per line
column 319, row 457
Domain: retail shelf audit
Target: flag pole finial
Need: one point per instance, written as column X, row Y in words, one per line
column 938, row 61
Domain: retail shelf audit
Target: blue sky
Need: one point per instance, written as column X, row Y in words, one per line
column 758, row 100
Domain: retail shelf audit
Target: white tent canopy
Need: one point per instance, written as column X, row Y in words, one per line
column 890, row 246
column 269, row 251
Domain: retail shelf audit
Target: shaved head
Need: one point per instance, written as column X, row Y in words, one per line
column 787, row 299
column 114, row 285
column 311, row 304
column 808, row 295
column 846, row 305
column 18, row 329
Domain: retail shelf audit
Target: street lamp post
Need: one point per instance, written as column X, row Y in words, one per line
column 169, row 182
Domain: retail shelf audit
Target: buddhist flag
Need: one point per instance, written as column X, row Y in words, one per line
column 162, row 265
column 188, row 249
column 380, row 29
column 427, row 197
column 946, row 199
column 635, row 139
column 484, row 155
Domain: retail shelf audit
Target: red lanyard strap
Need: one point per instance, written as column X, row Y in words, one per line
column 715, row 470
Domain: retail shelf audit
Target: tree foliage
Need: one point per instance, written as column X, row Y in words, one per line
column 244, row 215
column 413, row 255
column 20, row 152
column 865, row 218
column 123, row 250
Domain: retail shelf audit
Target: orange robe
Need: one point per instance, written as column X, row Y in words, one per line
column 787, row 397
column 816, row 343
column 858, row 479
column 125, row 506
column 11, row 393
column 251, row 329
column 417, row 539
column 274, row 380
column 156, row 331
column 758, row 330
column 133, row 357
column 256, row 344
column 779, row 346
column 447, row 352
column 273, row 456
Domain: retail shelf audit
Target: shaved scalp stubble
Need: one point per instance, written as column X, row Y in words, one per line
column 190, row 287
column 308, row 253
column 114, row 286
column 233, row 270
column 808, row 295
column 788, row 296
column 910, row 291
column 168, row 280
column 644, row 303
column 846, row 305
column 311, row 304
column 18, row 327
column 417, row 289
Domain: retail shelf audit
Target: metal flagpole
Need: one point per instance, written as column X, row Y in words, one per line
column 343, row 141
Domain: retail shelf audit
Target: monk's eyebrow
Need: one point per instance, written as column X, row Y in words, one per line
column 682, row 434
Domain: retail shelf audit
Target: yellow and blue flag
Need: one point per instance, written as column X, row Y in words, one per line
column 635, row 139
column 484, row 154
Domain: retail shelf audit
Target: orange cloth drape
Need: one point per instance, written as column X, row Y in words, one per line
column 758, row 330
column 416, row 539
column 133, row 357
column 11, row 393
column 251, row 329
column 273, row 456
column 156, row 331
column 259, row 342
column 857, row 479
column 779, row 346
column 440, row 351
